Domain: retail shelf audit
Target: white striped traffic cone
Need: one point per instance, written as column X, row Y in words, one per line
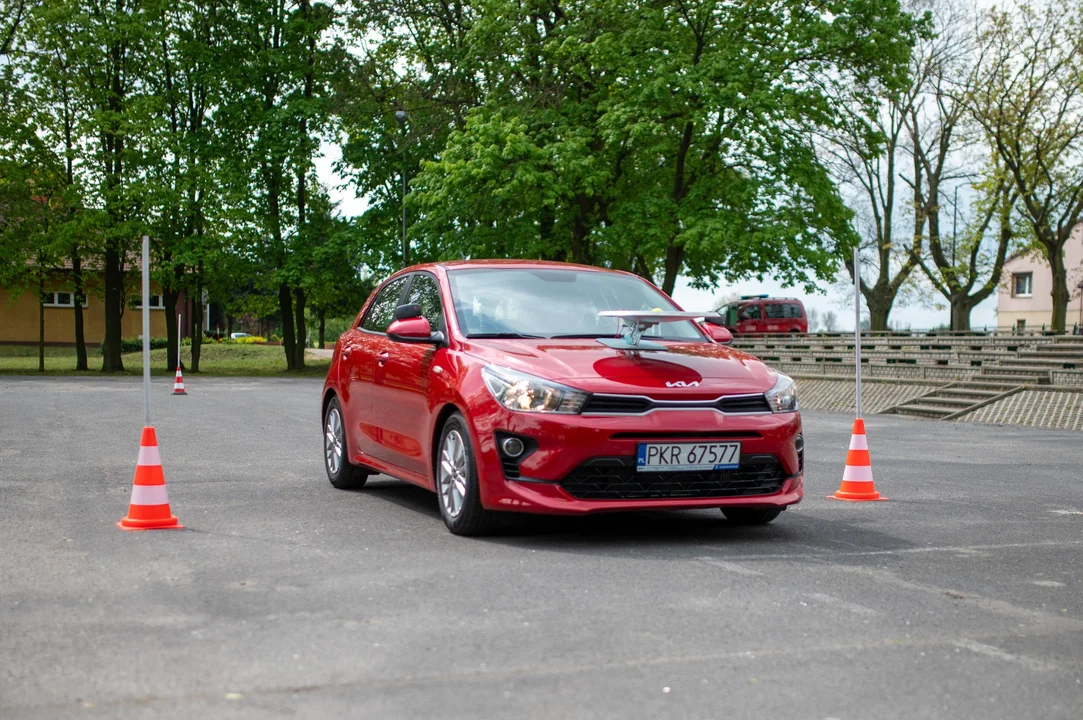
column 857, row 484
column 178, row 383
column 149, row 507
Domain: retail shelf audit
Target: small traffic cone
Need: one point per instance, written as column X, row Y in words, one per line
column 149, row 507
column 178, row 383
column 857, row 484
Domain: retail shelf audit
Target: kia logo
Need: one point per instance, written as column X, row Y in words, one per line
column 682, row 383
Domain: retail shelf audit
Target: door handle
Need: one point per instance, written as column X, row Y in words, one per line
column 383, row 357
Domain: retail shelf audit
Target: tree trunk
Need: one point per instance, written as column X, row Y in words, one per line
column 877, row 316
column 323, row 324
column 285, row 307
column 172, row 347
column 302, row 335
column 114, row 304
column 1060, row 292
column 41, row 319
column 79, row 294
column 961, row 305
column 197, row 326
column 674, row 259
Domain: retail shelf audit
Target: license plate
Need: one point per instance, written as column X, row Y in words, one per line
column 678, row 457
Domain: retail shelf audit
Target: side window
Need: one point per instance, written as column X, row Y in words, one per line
column 426, row 292
column 382, row 310
column 750, row 312
column 793, row 310
column 774, row 311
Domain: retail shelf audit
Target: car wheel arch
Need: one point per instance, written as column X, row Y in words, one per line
column 446, row 412
column 327, row 395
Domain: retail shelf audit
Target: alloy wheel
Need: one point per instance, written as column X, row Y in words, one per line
column 452, row 475
column 332, row 441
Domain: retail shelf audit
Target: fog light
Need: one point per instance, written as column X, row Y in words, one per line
column 512, row 447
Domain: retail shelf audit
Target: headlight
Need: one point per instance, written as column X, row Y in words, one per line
column 526, row 393
column 783, row 396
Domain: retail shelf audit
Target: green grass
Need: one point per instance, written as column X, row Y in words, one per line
column 214, row 359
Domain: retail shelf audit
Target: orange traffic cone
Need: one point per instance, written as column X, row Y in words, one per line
column 857, row 484
column 178, row 383
column 149, row 508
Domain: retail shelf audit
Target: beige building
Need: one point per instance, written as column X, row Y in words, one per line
column 19, row 313
column 1024, row 298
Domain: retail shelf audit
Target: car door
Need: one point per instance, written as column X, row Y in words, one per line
column 402, row 384
column 362, row 351
column 773, row 317
column 748, row 318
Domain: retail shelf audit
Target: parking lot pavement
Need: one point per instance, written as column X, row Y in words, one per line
column 959, row 598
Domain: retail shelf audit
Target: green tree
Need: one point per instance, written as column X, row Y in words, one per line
column 101, row 46
column 1027, row 96
column 669, row 138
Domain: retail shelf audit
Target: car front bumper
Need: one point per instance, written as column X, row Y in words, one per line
column 559, row 446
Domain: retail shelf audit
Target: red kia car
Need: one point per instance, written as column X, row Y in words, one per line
column 550, row 388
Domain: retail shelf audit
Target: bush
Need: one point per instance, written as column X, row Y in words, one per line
column 245, row 340
column 130, row 345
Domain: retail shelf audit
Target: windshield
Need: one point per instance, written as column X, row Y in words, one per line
column 555, row 303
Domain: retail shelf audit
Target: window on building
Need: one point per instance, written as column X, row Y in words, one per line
column 1022, row 284
column 60, row 299
column 157, row 302
column 1020, row 326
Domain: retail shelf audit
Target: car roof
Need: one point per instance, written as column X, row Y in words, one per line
column 516, row 264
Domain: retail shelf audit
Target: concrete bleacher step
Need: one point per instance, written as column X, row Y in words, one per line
column 1014, row 380
column 979, row 393
column 986, row 383
column 923, row 410
column 955, row 403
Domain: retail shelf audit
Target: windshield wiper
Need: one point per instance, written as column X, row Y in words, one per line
column 503, row 336
column 582, row 336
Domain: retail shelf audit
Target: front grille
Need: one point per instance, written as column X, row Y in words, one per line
column 616, row 404
column 615, row 478
column 636, row 405
column 744, row 404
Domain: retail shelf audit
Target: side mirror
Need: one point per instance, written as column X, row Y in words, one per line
column 413, row 330
column 718, row 333
column 405, row 312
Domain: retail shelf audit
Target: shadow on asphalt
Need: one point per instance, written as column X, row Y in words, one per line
column 793, row 533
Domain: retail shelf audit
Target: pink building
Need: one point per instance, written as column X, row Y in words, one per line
column 1024, row 299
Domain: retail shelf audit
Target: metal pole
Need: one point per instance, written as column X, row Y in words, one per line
column 400, row 118
column 178, row 339
column 146, row 331
column 857, row 327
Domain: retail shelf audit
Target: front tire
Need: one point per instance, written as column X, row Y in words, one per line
column 456, row 474
column 336, row 453
column 751, row 516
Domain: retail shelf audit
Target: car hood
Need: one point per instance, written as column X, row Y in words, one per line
column 683, row 370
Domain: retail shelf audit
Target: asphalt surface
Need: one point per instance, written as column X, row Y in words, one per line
column 962, row 597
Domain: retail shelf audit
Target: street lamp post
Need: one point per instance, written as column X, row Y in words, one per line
column 400, row 118
column 1079, row 325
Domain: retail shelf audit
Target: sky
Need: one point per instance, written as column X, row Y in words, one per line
column 837, row 298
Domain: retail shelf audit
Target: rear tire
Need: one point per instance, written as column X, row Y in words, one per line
column 456, row 473
column 336, row 451
column 751, row 516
